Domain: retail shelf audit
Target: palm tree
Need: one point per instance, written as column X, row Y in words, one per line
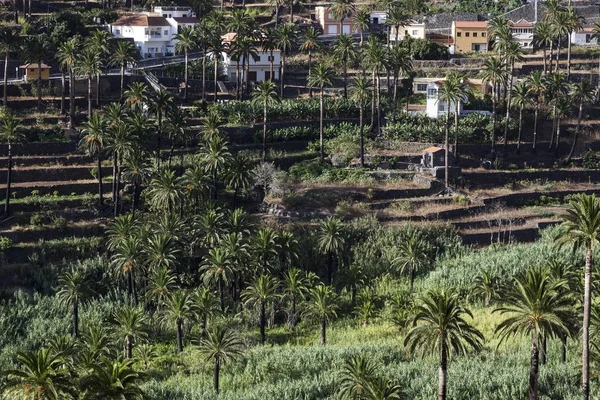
column 286, row 37
column 123, row 54
column 216, row 268
column 512, row 53
column 265, row 94
column 562, row 109
column 186, row 41
column 537, row 87
column 439, row 326
column 127, row 257
column 494, row 73
column 294, row 289
column 136, row 171
column 556, row 89
column 68, row 58
column 239, row 177
column 204, row 306
column 216, row 157
column 113, row 380
column 574, row 23
column 340, row 10
column 399, row 61
column 212, row 123
column 74, row 289
column 99, row 42
column 260, row 293
column 360, row 91
column 561, row 25
column 344, row 50
column 41, row 375
column 581, row 228
column 322, row 306
column 136, row 96
column 161, row 284
column 165, row 190
column 331, row 241
column 36, row 49
column 414, row 257
column 521, row 97
column 10, row 41
column 582, row 92
column 543, row 35
column 375, row 58
column 356, row 377
column 321, row 75
column 94, row 136
column 310, row 43
column 120, row 142
column 361, row 21
column 486, row 286
column 131, row 325
column 248, row 50
column 266, row 248
column 217, row 48
column 537, row 308
column 177, row 309
column 89, row 65
column 221, row 345
column 10, row 134
column 160, row 104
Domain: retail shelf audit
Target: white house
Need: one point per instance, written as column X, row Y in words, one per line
column 259, row 66
column 584, row 37
column 436, row 107
column 378, row 17
column 330, row 25
column 153, row 32
column 415, row 29
column 522, row 33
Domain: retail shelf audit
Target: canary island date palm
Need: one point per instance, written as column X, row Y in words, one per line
column 340, row 10
column 68, row 57
column 177, row 309
column 414, row 256
column 440, row 327
column 215, row 156
column 582, row 93
column 204, row 306
column 113, row 380
column 10, row 134
column 93, row 141
column 322, row 305
column 581, row 228
column 355, row 377
column 534, row 306
column 161, row 284
column 537, row 87
column 331, row 241
column 361, row 21
column 286, row 38
column 309, row 45
column 494, row 73
column 165, row 190
column 41, row 375
column 10, row 41
column 131, row 326
column 521, row 98
column 186, row 41
column 74, row 290
column 216, row 269
column 265, row 95
column 89, row 65
column 124, row 53
column 260, row 294
column 344, row 50
column 294, row 290
column 220, row 346
column 320, row 76
column 361, row 92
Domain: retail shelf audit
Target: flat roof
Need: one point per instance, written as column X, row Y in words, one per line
column 471, row 24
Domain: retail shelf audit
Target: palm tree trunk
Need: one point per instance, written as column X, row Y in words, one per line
column 323, row 331
column 563, row 350
column 221, row 294
column 508, row 103
column 216, row 375
column 534, row 368
column 550, row 62
column 556, row 150
column 100, row 193
column 238, row 91
column 185, row 74
column 455, row 150
column 204, row 74
column 89, row 95
column 5, row 86
column 282, row 73
column 117, row 188
column 63, row 92
column 114, row 176
column 179, row 337
column 443, row 371
column 97, row 90
column 158, row 137
column 8, row 180
column 321, row 148
column 494, row 116
column 535, row 125
column 395, row 95
column 71, row 99
column 378, row 98
column 558, row 55
column 216, row 76
column 373, row 104
column 329, row 267
column 263, row 322
column 75, row 318
column 122, row 78
column 39, row 85
column 345, row 78
column 545, row 62
column 520, row 130
column 264, row 144
column 276, row 14
column 271, row 66
column 136, row 195
column 568, row 59
column 203, row 327
column 310, row 89
column 129, row 347
column 446, row 148
column 247, row 76
column 362, row 132
column 587, row 289
column 577, row 130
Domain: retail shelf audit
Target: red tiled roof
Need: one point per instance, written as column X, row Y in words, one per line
column 471, row 24
column 140, row 20
column 433, row 149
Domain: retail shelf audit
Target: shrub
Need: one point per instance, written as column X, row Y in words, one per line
column 589, row 160
column 37, row 219
column 5, row 243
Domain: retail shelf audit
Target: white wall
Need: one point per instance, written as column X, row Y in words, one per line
column 583, row 39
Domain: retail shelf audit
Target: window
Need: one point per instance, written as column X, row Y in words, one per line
column 474, row 34
column 375, row 21
column 442, row 106
column 415, row 32
column 421, row 87
column 405, row 32
column 482, row 34
column 525, row 44
column 458, row 34
column 164, row 15
column 117, row 32
column 476, row 47
column 184, row 15
column 257, row 59
column 432, row 93
column 271, row 58
column 588, row 38
column 166, row 32
column 467, row 34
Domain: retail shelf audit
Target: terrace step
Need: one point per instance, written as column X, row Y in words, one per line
column 62, row 187
column 58, row 173
column 51, row 160
column 48, row 232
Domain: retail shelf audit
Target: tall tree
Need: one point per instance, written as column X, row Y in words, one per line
column 360, row 91
column 215, row 155
column 221, row 345
column 68, row 58
column 361, row 22
column 131, row 325
column 536, row 307
column 375, row 58
column 340, row 10
column 259, row 294
column 322, row 306
column 331, row 241
column 581, row 229
column 582, row 93
column 186, row 41
column 99, row 41
column 309, row 45
column 93, row 141
column 494, row 73
column 320, row 76
column 521, row 98
column 74, row 289
column 89, row 65
column 216, row 268
column 10, row 41
column 36, row 50
column 537, row 85
column 177, row 309
column 123, row 54
column 113, row 380
column 10, row 133
column 440, row 326
column 286, row 38
column 265, row 94
column 543, row 36
column 414, row 256
column 344, row 50
column 512, row 53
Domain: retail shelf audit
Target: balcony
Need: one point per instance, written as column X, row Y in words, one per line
column 153, row 36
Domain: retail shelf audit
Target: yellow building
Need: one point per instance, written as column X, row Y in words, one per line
column 30, row 72
column 469, row 37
